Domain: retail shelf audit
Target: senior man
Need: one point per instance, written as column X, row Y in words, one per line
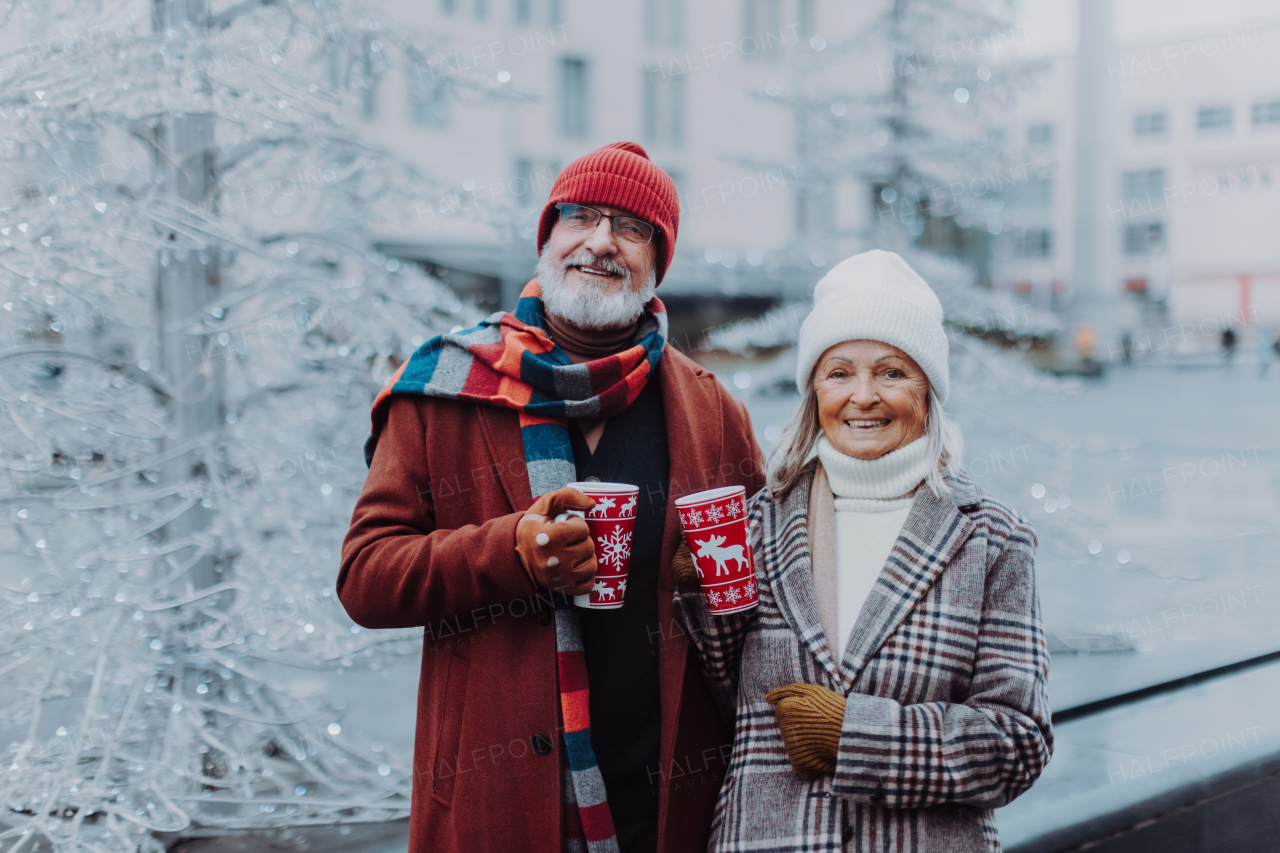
column 541, row 726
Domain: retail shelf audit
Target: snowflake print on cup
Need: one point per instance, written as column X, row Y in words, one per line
column 716, row 530
column 611, row 522
column 616, row 548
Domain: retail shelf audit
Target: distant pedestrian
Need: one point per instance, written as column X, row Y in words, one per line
column 1229, row 341
column 1267, row 349
column 1126, row 348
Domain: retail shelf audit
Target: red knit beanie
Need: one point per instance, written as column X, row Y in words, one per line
column 620, row 175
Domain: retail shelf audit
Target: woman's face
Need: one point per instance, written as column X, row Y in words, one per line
column 872, row 398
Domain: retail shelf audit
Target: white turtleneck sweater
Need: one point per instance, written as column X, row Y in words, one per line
column 873, row 498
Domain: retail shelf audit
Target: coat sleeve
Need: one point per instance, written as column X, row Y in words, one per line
column 398, row 570
column 718, row 640
column 984, row 751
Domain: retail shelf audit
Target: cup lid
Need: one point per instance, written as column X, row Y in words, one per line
column 606, row 488
column 710, row 495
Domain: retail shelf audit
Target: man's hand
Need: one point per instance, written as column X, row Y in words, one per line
column 558, row 555
column 811, row 718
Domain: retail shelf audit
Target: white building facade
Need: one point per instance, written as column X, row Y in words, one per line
column 1192, row 203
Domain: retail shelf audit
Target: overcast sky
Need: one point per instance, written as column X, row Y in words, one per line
column 1051, row 24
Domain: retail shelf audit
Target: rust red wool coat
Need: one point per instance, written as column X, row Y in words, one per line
column 431, row 544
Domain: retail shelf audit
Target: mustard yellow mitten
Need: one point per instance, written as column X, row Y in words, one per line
column 811, row 718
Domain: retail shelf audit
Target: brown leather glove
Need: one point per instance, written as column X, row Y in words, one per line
column 558, row 555
column 811, row 719
column 683, row 571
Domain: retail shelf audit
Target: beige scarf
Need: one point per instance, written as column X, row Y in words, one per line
column 822, row 555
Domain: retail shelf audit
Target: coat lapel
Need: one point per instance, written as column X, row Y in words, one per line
column 793, row 585
column 501, row 429
column 930, row 537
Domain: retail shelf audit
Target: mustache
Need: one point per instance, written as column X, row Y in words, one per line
column 587, row 258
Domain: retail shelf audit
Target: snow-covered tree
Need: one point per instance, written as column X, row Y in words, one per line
column 903, row 115
column 194, row 324
column 912, row 104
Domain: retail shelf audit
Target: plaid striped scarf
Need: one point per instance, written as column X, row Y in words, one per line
column 509, row 360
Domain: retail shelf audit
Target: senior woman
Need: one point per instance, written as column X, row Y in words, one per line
column 890, row 686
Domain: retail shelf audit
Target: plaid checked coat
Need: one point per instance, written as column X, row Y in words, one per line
column 947, row 716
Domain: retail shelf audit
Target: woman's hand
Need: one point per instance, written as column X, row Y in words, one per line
column 558, row 555
column 811, row 718
column 683, row 571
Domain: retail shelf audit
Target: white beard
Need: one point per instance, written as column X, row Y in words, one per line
column 586, row 305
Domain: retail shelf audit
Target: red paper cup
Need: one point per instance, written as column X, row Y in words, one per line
column 611, row 521
column 715, row 526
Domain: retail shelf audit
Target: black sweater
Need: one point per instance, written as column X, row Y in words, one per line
column 620, row 645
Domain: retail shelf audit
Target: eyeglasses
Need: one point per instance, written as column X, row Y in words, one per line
column 579, row 217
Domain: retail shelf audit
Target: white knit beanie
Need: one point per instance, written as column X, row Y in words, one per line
column 876, row 296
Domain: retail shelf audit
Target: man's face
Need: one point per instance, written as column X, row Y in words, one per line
column 593, row 279
column 582, row 250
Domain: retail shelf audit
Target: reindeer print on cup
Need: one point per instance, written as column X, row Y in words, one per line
column 603, row 505
column 715, row 549
column 715, row 526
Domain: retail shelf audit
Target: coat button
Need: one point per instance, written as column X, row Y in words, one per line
column 544, row 617
column 878, row 796
column 541, row 744
column 846, row 834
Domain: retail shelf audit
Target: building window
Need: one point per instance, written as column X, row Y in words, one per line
column 448, row 6
column 663, row 22
column 651, row 23
column 428, row 96
column 1143, row 237
column 677, row 178
column 481, row 9
column 1213, row 118
column 808, row 24
column 333, row 63
column 675, row 23
column 815, row 209
column 370, row 70
column 522, row 183
column 1040, row 134
column 574, row 97
column 762, row 24
column 1036, row 192
column 523, row 12
column 663, row 110
column 1150, row 124
column 555, row 13
column 1142, row 185
column 1033, row 243
column 1266, row 114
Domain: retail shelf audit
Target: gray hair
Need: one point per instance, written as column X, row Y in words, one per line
column 799, row 439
